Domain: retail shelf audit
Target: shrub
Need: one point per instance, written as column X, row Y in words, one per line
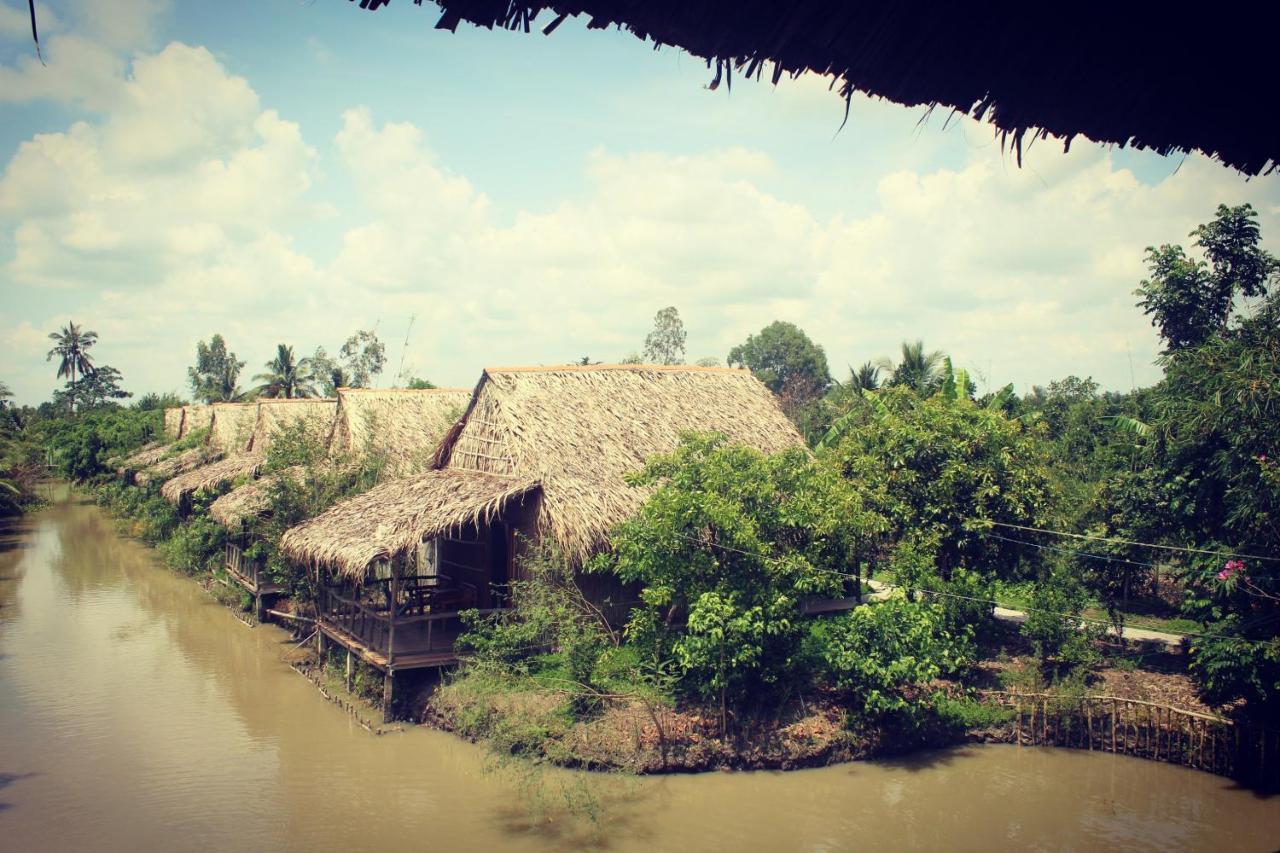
column 726, row 549
column 878, row 653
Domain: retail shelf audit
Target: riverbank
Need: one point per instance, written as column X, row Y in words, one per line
column 646, row 737
column 517, row 718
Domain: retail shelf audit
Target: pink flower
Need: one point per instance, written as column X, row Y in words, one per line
column 1223, row 575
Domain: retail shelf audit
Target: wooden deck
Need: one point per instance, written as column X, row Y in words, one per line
column 422, row 637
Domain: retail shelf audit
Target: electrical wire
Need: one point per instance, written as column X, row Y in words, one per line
column 1118, row 541
column 991, row 602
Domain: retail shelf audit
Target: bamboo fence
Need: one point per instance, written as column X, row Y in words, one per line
column 1226, row 747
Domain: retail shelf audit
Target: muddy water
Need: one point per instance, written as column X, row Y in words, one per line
column 137, row 714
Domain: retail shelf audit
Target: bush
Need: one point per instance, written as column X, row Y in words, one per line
column 195, row 547
column 880, row 653
column 1053, row 627
column 82, row 445
column 726, row 549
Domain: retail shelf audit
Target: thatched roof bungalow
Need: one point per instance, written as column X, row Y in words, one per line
column 242, row 433
column 230, row 429
column 541, row 454
column 404, row 425
column 553, row 444
column 401, row 424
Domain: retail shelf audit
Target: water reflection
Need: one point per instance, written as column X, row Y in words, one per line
column 135, row 713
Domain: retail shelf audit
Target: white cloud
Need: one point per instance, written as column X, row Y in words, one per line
column 175, row 215
column 85, row 49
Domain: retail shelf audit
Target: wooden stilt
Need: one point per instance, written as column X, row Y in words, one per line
column 350, row 670
column 388, row 683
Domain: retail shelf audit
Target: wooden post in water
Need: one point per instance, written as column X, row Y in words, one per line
column 350, row 670
column 388, row 685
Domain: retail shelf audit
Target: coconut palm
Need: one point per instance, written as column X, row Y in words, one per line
column 71, row 346
column 918, row 370
column 286, row 376
column 865, row 378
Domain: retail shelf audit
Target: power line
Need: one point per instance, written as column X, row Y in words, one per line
column 988, row 601
column 1118, row 541
column 1070, row 551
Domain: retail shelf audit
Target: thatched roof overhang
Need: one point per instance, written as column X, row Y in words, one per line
column 251, row 499
column 210, row 476
column 174, row 465
column 1031, row 70
column 144, row 458
column 388, row 521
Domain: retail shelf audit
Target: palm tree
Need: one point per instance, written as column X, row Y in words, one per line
column 71, row 346
column 865, row 378
column 918, row 369
column 286, row 376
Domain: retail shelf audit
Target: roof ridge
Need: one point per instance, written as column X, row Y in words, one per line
column 629, row 368
column 402, row 390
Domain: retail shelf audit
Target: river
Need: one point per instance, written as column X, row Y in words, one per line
column 137, row 714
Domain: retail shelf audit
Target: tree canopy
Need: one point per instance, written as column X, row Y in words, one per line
column 665, row 343
column 216, row 372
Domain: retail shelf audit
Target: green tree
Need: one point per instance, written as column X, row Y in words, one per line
column 1190, row 300
column 865, row 378
column 152, row 401
column 918, row 370
column 363, row 356
column 71, row 345
column 326, row 374
column 943, row 469
column 726, row 549
column 285, row 376
column 783, row 357
column 216, row 372
column 93, row 389
column 419, row 383
column 665, row 343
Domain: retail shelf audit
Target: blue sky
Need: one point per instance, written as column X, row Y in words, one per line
column 295, row 171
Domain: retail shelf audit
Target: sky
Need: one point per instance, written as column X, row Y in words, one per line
column 294, row 171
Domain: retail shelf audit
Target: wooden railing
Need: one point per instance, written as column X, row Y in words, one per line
column 1206, row 742
column 250, row 569
column 433, row 630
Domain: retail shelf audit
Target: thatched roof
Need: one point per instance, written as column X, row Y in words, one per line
column 173, row 422
column 232, row 425
column 392, row 518
column 274, row 415
column 145, row 456
column 173, row 465
column 575, row 432
column 404, row 424
column 211, row 476
column 1119, row 77
column 250, row 499
column 194, row 417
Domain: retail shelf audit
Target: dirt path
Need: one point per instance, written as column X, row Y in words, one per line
column 1005, row 614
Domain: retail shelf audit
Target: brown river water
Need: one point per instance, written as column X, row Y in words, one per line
column 136, row 714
